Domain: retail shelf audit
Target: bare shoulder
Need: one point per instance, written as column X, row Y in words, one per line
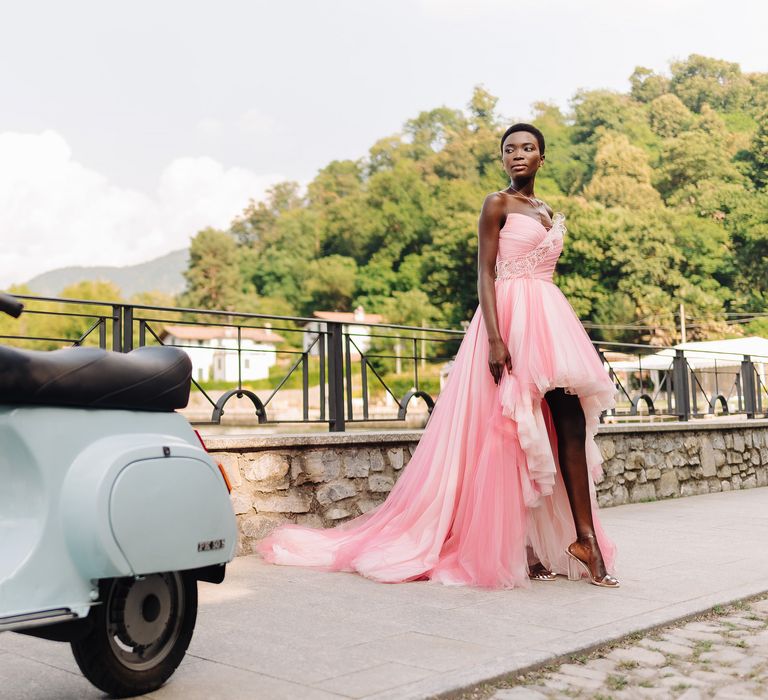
column 494, row 205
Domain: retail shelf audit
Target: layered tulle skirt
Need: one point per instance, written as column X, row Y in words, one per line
column 483, row 487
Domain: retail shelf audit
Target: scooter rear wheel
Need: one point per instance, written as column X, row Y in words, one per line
column 140, row 632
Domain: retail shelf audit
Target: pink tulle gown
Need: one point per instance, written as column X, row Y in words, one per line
column 484, row 482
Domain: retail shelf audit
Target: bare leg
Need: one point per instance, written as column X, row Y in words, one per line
column 570, row 426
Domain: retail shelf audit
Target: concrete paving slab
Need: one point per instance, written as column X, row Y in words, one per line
column 281, row 632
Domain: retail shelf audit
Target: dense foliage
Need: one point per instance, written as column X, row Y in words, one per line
column 665, row 190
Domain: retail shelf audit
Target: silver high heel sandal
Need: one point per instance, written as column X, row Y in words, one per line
column 577, row 567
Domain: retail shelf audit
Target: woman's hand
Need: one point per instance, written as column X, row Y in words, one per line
column 499, row 359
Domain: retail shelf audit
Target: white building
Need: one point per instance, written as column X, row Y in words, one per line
column 715, row 363
column 360, row 335
column 213, row 351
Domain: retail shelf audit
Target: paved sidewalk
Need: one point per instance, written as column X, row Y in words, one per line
column 278, row 632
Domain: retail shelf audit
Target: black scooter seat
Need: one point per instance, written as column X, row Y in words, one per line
column 146, row 379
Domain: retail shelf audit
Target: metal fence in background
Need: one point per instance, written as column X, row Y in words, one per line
column 344, row 373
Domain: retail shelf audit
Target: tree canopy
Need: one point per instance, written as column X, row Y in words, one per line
column 665, row 189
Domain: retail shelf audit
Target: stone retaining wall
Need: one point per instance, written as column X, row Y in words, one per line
column 323, row 479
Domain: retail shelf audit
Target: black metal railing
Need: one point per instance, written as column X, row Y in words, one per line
column 343, row 371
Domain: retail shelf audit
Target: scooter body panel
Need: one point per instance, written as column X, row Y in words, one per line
column 69, row 518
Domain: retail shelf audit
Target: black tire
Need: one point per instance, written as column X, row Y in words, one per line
column 139, row 633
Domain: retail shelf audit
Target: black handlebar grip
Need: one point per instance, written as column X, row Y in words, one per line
column 10, row 305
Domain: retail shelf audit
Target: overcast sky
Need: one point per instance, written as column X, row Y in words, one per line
column 126, row 127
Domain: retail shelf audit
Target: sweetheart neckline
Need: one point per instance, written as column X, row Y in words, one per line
column 536, row 221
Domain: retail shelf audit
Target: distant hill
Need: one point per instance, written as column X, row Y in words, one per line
column 163, row 274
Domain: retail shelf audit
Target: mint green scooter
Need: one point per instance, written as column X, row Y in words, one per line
column 111, row 510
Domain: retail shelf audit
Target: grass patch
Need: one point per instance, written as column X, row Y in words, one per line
column 627, row 665
column 616, row 682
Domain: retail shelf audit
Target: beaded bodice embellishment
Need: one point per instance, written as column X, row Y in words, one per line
column 525, row 265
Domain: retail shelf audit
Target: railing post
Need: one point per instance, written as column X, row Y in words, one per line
column 117, row 328
column 127, row 328
column 336, row 377
column 681, row 386
column 748, row 386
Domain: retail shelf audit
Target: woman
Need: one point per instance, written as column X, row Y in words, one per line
column 498, row 491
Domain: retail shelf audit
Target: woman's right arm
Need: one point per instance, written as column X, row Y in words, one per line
column 491, row 220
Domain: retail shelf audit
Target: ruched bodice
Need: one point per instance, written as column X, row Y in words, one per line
column 527, row 250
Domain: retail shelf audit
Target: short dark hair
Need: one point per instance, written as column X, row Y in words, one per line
column 530, row 128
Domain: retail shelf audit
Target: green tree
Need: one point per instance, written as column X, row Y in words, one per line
column 668, row 116
column 622, row 175
column 213, row 280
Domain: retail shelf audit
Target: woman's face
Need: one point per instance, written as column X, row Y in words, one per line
column 520, row 155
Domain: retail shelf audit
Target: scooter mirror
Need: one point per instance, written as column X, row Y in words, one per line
column 10, row 305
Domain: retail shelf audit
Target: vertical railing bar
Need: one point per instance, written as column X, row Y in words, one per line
column 239, row 359
column 348, row 374
column 103, row 333
column 415, row 362
column 127, row 328
column 364, row 380
column 142, row 333
column 305, row 385
column 321, row 359
column 117, row 321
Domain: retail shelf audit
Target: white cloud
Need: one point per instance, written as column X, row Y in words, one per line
column 56, row 212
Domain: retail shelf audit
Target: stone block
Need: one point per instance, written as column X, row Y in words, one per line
column 691, row 444
column 762, row 477
column 734, row 457
column 259, row 526
column 642, row 492
column 652, row 459
column 377, row 460
column 292, row 502
column 608, row 448
column 379, row 483
column 718, row 442
column 310, row 520
column 683, row 473
column 688, row 488
column 725, row 485
column 231, row 464
column 668, row 485
column 630, row 476
column 675, row 459
column 335, row 491
column 357, row 463
column 614, row 467
column 636, row 460
column 738, row 442
column 719, row 458
column 736, row 482
column 653, row 473
column 764, row 456
column 268, row 467
column 395, row 457
column 707, row 457
column 724, row 472
column 241, row 502
column 635, row 443
column 750, row 482
column 321, row 465
column 336, row 513
column 666, row 445
column 367, row 504
column 729, row 441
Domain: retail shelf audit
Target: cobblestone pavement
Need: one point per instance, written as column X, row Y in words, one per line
column 722, row 655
